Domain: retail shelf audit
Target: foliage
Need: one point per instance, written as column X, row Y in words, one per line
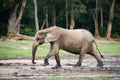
column 83, row 12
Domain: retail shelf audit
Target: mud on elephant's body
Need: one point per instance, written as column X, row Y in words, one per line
column 78, row 41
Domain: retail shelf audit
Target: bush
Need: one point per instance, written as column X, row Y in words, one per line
column 27, row 30
column 116, row 35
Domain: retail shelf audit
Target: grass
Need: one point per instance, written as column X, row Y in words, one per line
column 109, row 48
column 14, row 49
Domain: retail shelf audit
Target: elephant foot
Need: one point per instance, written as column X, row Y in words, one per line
column 77, row 65
column 45, row 64
column 56, row 67
column 33, row 62
column 100, row 65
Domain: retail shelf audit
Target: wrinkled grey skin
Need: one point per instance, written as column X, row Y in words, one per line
column 77, row 41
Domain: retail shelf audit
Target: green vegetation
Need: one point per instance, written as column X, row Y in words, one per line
column 109, row 48
column 12, row 49
column 15, row 49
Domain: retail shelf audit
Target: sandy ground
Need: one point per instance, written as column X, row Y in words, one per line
column 24, row 69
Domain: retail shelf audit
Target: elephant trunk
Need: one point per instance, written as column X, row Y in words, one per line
column 34, row 48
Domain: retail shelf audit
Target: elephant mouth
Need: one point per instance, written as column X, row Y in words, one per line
column 40, row 43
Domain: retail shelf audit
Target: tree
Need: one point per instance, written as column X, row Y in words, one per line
column 35, row 14
column 111, row 14
column 95, row 17
column 101, row 2
column 5, row 8
column 77, row 9
column 14, row 21
column 45, row 22
column 46, row 16
column 53, row 15
column 66, row 13
column 72, row 25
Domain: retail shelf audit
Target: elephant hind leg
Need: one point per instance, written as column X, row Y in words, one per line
column 81, row 55
column 79, row 63
column 93, row 53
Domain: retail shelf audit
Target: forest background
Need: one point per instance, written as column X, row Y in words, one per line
column 101, row 17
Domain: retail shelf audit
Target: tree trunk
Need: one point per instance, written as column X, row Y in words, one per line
column 35, row 15
column 14, row 22
column 72, row 25
column 46, row 17
column 96, row 27
column 45, row 22
column 53, row 15
column 11, row 22
column 101, row 12
column 95, row 17
column 111, row 13
column 66, row 14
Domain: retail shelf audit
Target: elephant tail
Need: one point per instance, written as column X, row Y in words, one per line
column 98, row 50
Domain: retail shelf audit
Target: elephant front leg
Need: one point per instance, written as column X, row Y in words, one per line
column 47, row 57
column 53, row 51
column 57, row 61
column 46, row 60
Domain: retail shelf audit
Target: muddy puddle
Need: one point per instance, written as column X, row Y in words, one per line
column 24, row 69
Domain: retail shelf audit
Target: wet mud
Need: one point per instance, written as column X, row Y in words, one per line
column 24, row 69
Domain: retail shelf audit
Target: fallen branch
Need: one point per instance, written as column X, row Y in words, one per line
column 19, row 37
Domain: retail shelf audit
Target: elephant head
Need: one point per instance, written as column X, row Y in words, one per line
column 43, row 36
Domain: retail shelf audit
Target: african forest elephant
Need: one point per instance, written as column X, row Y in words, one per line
column 77, row 41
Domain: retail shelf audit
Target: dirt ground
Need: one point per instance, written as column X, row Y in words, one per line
column 23, row 68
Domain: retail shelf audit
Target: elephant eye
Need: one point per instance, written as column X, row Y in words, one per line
column 40, row 37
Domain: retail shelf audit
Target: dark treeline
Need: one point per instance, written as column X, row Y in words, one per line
column 92, row 15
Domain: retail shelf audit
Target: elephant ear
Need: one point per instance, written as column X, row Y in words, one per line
column 51, row 36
